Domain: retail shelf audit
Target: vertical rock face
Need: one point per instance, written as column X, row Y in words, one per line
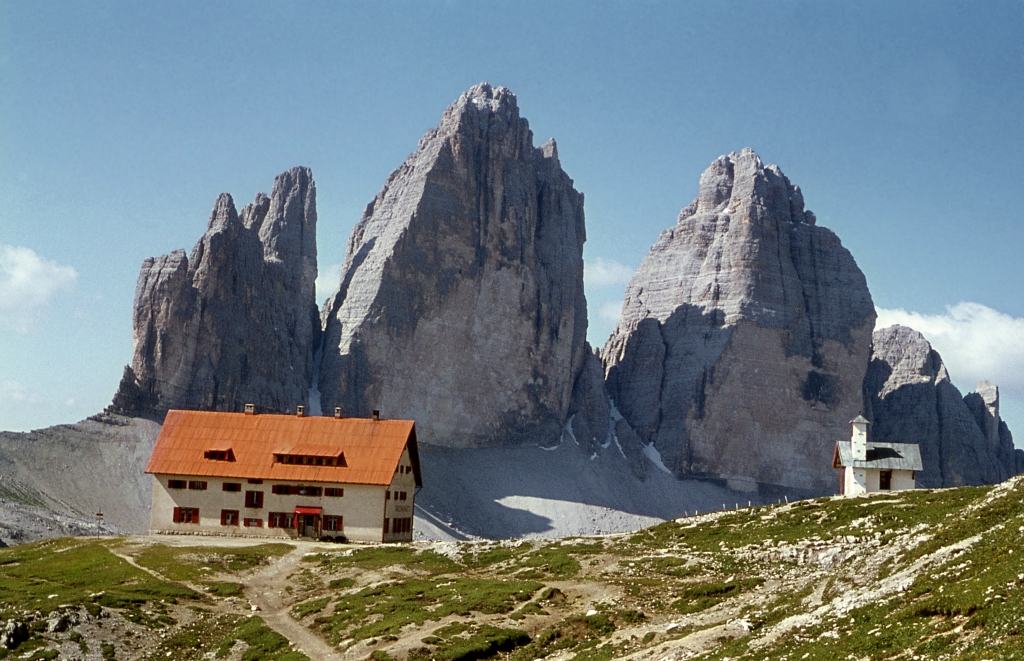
column 911, row 399
column 745, row 335
column 461, row 299
column 235, row 322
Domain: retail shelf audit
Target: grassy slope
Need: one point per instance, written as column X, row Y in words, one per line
column 914, row 575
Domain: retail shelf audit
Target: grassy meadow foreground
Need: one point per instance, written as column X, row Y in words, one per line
column 911, row 575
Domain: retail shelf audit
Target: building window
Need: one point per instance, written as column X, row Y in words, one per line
column 281, row 520
column 332, row 523
column 254, row 523
column 310, row 491
column 255, row 481
column 254, row 499
column 885, row 480
column 333, row 492
column 229, row 517
column 387, row 523
column 219, row 455
column 280, row 489
column 311, row 460
column 186, row 515
column 232, row 486
column 176, row 484
column 402, row 525
column 387, row 495
column 197, row 485
column 401, row 495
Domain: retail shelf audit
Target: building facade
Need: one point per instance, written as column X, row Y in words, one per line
column 868, row 467
column 287, row 477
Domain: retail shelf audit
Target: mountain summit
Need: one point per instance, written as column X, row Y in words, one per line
column 744, row 336
column 461, row 299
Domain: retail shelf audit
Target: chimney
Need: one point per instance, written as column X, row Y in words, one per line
column 250, row 409
column 859, row 439
column 300, row 411
column 337, row 411
column 376, row 414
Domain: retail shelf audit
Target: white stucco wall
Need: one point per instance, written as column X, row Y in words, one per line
column 402, row 482
column 362, row 508
column 855, row 481
column 866, row 480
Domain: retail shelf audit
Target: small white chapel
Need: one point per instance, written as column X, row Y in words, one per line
column 869, row 467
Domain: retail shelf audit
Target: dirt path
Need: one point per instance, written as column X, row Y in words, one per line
column 266, row 589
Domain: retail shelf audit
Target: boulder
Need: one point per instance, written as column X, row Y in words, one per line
column 236, row 321
column 461, row 300
column 744, row 336
column 910, row 398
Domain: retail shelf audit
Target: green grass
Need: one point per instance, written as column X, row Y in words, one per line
column 198, row 562
column 225, row 589
column 464, row 643
column 825, row 518
column 75, row 572
column 578, row 633
column 384, row 610
column 386, row 556
column 310, row 607
column 701, row 596
column 264, row 643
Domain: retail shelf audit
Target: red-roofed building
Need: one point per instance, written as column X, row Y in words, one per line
column 285, row 476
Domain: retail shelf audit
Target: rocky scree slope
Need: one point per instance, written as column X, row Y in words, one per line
column 910, row 399
column 926, row 574
column 461, row 300
column 236, row 322
column 744, row 336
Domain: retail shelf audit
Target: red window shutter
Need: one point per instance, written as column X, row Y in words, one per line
column 222, row 517
column 294, row 490
column 386, row 522
column 177, row 515
column 195, row 516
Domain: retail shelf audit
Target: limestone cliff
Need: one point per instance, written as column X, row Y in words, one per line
column 461, row 299
column 236, row 322
column 910, row 399
column 744, row 336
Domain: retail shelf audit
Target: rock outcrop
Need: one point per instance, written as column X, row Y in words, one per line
column 744, row 336
column 236, row 322
column 910, row 399
column 461, row 298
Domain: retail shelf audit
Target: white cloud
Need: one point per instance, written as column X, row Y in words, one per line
column 976, row 343
column 12, row 392
column 327, row 281
column 28, row 283
column 602, row 272
column 610, row 311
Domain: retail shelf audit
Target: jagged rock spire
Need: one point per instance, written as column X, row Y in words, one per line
column 744, row 335
column 461, row 297
column 235, row 322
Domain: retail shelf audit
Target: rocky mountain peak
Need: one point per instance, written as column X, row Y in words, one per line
column 236, row 321
column 461, row 299
column 744, row 334
column 911, row 399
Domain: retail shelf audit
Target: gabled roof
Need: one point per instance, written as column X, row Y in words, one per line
column 886, row 456
column 372, row 448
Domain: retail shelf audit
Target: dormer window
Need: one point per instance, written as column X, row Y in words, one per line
column 310, row 456
column 219, row 454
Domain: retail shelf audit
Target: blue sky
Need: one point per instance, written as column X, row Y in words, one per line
column 120, row 123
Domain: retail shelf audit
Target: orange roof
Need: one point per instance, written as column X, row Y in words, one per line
column 372, row 447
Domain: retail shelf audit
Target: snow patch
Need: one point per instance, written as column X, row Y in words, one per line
column 568, row 429
column 614, row 417
column 652, row 453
